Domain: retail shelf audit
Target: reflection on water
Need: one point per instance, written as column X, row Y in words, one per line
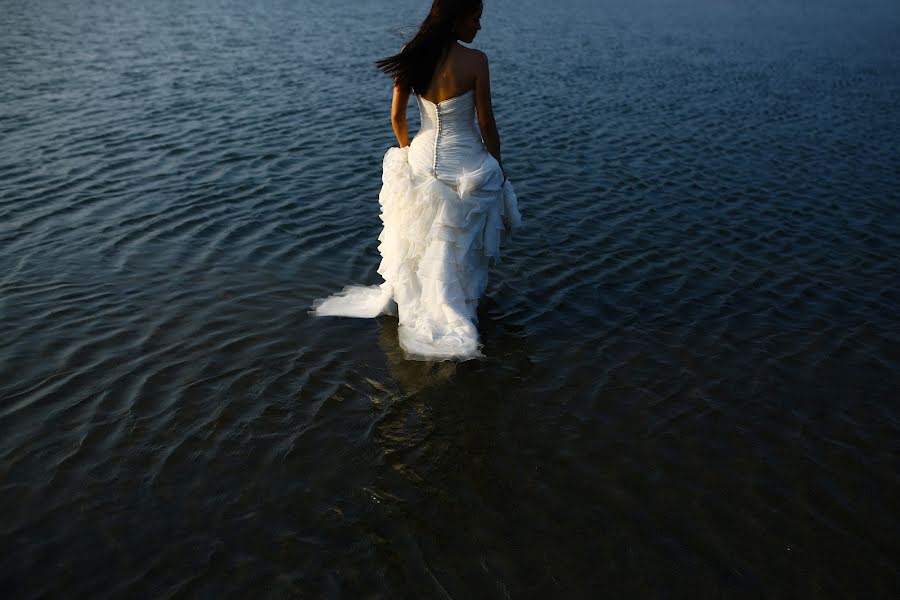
column 411, row 376
column 505, row 350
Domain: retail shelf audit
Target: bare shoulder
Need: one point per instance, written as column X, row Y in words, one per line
column 473, row 56
column 473, row 61
column 465, row 55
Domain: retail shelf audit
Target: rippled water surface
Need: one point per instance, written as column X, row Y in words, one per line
column 693, row 348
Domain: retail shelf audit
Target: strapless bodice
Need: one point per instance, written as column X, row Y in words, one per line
column 448, row 142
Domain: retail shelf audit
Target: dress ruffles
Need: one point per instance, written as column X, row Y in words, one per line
column 437, row 245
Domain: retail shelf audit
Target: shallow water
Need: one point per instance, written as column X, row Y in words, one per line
column 693, row 349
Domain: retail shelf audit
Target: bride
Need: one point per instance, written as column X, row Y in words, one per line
column 445, row 200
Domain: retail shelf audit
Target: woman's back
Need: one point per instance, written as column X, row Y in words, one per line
column 454, row 75
column 449, row 142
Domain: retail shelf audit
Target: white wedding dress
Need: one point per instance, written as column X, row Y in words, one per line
column 445, row 208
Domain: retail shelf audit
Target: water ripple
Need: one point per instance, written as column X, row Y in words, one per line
column 691, row 348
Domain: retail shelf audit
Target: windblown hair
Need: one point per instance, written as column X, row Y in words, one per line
column 414, row 65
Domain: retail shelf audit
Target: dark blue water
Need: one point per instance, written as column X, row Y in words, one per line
column 693, row 349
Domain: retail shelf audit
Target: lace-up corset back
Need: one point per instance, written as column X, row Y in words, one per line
column 448, row 141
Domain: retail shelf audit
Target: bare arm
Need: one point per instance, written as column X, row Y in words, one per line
column 398, row 115
column 486, row 121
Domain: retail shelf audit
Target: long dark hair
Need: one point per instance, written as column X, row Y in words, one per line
column 414, row 65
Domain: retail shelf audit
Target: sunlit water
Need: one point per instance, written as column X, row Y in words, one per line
column 693, row 349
